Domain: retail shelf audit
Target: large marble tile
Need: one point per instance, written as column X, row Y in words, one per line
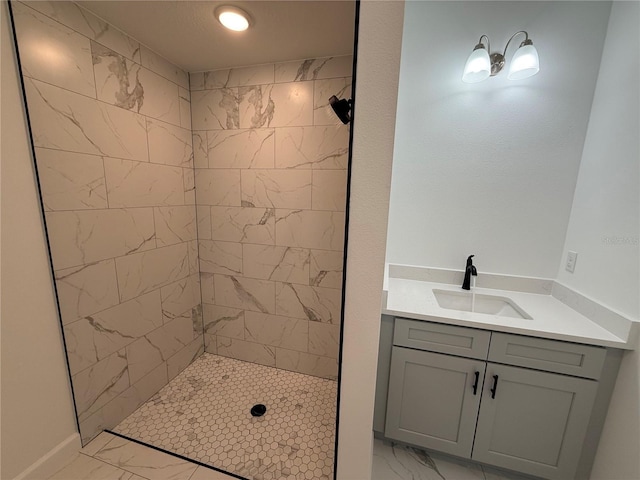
column 316, row 304
column 242, row 76
column 196, row 81
column 325, row 268
column 294, row 104
column 98, row 336
column 142, row 272
column 158, row 346
column 128, row 85
column 194, row 260
column 200, row 149
column 189, row 178
column 53, row 53
column 203, row 214
column 67, row 121
column 276, row 105
column 247, row 351
column 285, row 332
column 215, row 109
column 210, row 343
column 81, row 237
column 168, row 144
column 89, row 25
column 324, row 339
column 284, row 264
column 257, row 107
column 97, row 443
column 163, row 67
column 180, row 297
column 397, row 462
column 244, row 224
column 184, row 99
column 142, row 184
column 276, row 188
column 329, row 190
column 220, row 257
column 84, row 467
column 246, row 148
column 224, row 321
column 174, row 224
column 306, row 363
column 206, row 288
column 99, row 384
column 133, row 397
column 324, row 147
column 93, row 425
column 218, row 187
column 86, row 289
column 314, row 69
column 320, row 230
column 70, row 181
column 245, row 293
column 145, row 462
column 197, row 321
column 184, row 357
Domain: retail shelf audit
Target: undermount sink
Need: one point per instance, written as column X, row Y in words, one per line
column 479, row 303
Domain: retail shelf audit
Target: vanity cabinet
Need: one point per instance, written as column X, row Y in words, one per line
column 433, row 400
column 435, row 385
column 516, row 402
column 533, row 422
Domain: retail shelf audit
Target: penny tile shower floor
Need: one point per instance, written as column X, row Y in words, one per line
column 204, row 414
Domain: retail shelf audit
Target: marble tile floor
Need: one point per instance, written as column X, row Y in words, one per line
column 204, row 415
column 393, row 461
column 109, row 457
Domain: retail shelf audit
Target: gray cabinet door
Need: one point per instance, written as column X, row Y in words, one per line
column 431, row 400
column 535, row 423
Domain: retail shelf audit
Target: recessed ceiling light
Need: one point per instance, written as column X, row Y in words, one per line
column 233, row 18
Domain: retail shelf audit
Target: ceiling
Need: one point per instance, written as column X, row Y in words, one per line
column 187, row 34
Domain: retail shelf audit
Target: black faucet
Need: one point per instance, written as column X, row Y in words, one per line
column 470, row 270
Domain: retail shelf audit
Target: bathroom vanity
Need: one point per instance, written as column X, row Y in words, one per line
column 514, row 378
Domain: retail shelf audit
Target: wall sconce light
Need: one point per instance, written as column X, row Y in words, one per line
column 480, row 65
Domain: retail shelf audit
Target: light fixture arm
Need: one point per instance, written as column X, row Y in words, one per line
column 481, row 45
column 525, row 42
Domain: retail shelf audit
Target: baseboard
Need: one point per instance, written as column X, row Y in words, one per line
column 53, row 460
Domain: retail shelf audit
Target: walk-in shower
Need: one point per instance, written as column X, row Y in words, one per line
column 195, row 218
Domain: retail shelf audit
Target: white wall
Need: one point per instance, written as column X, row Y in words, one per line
column 380, row 35
column 603, row 227
column 37, row 410
column 490, row 168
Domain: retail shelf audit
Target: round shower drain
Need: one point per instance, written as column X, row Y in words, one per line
column 258, row 410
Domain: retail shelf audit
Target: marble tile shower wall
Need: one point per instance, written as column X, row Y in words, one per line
column 270, row 172
column 111, row 125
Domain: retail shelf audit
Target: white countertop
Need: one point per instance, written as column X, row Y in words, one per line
column 550, row 317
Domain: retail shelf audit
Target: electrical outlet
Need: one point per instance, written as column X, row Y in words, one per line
column 572, row 257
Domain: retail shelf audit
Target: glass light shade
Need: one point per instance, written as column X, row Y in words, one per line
column 478, row 66
column 233, row 18
column 524, row 63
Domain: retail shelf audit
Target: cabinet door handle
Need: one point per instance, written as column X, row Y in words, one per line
column 495, row 386
column 475, row 385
